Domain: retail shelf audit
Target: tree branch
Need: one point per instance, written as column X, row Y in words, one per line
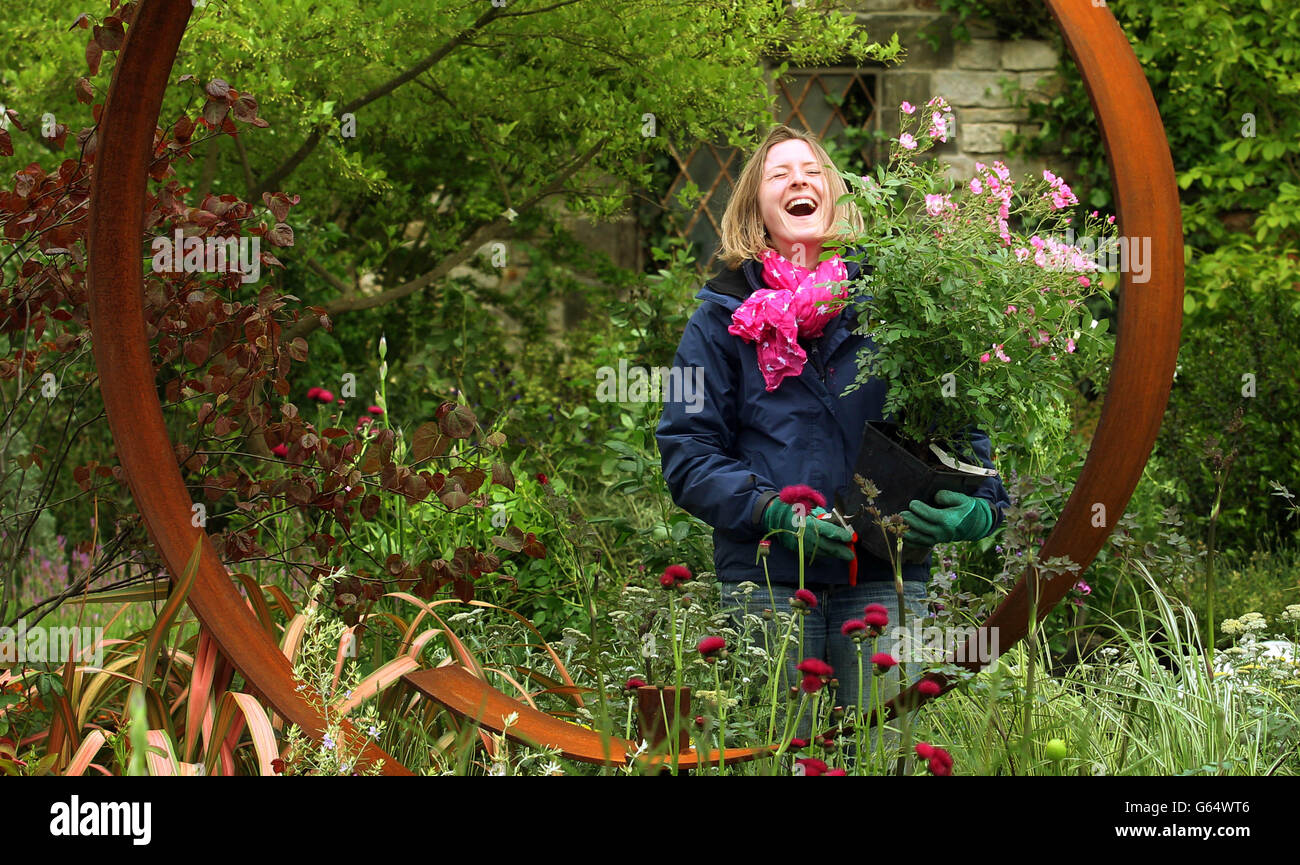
column 541, row 11
column 273, row 180
column 470, row 240
column 209, row 169
column 319, row 269
column 248, row 170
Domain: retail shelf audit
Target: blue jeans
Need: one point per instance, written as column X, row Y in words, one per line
column 821, row 634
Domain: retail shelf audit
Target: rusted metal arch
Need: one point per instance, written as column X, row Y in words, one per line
column 1150, row 318
column 126, row 377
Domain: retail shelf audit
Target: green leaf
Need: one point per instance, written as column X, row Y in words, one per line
column 619, row 447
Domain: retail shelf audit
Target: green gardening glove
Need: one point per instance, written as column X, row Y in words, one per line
column 962, row 518
column 819, row 536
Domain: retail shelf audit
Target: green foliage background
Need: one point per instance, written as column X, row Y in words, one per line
column 486, row 128
column 1225, row 77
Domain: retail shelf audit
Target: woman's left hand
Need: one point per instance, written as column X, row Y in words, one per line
column 963, row 518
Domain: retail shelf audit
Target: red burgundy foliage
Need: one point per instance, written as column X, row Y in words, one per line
column 224, row 368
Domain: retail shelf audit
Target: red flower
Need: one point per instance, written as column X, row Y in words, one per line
column 812, row 684
column 796, row 744
column 277, row 766
column 876, row 617
column 710, row 646
column 883, row 661
column 541, row 479
column 323, row 395
column 802, row 494
column 812, row 767
column 938, row 760
column 632, row 684
column 806, row 598
column 815, row 667
column 313, row 392
column 374, row 409
column 674, row 574
column 928, row 688
column 280, row 450
column 853, row 627
column 830, row 772
column 363, row 422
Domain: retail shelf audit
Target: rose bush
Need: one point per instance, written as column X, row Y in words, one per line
column 975, row 303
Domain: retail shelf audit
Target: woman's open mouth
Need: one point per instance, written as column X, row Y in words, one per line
column 802, row 206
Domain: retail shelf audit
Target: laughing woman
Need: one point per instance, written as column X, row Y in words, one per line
column 776, row 364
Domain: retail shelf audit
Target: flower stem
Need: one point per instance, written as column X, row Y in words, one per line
column 861, row 717
column 776, row 673
column 878, row 703
column 677, row 649
column 785, row 738
column 722, row 720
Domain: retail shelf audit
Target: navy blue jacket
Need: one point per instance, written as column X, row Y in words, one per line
column 725, row 459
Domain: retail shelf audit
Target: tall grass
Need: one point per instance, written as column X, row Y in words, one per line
column 1121, row 710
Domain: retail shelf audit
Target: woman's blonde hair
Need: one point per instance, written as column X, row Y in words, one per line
column 743, row 233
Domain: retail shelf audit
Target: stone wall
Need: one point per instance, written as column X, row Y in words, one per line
column 972, row 75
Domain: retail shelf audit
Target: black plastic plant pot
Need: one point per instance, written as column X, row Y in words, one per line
column 901, row 476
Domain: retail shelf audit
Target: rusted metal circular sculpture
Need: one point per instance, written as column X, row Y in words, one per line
column 1149, row 322
column 126, row 377
column 1149, row 317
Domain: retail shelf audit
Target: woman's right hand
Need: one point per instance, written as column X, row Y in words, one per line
column 820, row 536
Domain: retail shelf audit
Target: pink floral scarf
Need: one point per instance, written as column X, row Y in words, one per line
column 778, row 316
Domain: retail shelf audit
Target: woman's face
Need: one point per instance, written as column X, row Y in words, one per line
column 793, row 201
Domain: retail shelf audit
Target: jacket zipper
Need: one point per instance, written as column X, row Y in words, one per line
column 817, row 361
